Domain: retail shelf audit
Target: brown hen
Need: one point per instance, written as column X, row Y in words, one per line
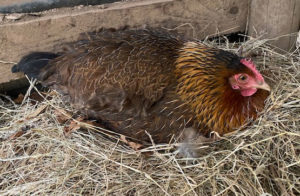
column 138, row 81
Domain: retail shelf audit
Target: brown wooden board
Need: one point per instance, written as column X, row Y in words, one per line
column 43, row 31
column 28, row 6
column 275, row 19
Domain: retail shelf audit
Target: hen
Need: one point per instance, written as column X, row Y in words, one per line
column 136, row 82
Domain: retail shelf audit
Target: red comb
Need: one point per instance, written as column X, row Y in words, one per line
column 248, row 63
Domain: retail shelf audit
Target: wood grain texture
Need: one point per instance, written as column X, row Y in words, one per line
column 29, row 6
column 193, row 18
column 275, row 19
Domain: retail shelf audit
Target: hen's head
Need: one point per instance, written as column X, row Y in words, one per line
column 223, row 89
column 248, row 82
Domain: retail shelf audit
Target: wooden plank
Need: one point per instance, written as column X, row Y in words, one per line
column 9, row 2
column 275, row 19
column 28, row 6
column 194, row 18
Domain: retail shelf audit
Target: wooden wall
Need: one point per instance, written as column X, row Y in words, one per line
column 275, row 19
column 43, row 31
column 27, row 6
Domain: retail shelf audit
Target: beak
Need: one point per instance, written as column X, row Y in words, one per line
column 263, row 86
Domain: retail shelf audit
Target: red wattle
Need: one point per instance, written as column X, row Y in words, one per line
column 248, row 92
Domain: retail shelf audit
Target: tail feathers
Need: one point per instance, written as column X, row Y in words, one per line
column 32, row 64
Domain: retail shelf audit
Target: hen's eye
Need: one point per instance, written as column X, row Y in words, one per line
column 243, row 77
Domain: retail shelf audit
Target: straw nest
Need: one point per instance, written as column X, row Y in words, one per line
column 40, row 155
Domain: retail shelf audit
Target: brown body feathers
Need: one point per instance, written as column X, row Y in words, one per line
column 135, row 81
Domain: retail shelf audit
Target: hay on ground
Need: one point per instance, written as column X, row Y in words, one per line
column 38, row 158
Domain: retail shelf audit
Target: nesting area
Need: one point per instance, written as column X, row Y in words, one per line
column 44, row 151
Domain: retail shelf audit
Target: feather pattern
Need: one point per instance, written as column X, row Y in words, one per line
column 203, row 74
column 134, row 81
